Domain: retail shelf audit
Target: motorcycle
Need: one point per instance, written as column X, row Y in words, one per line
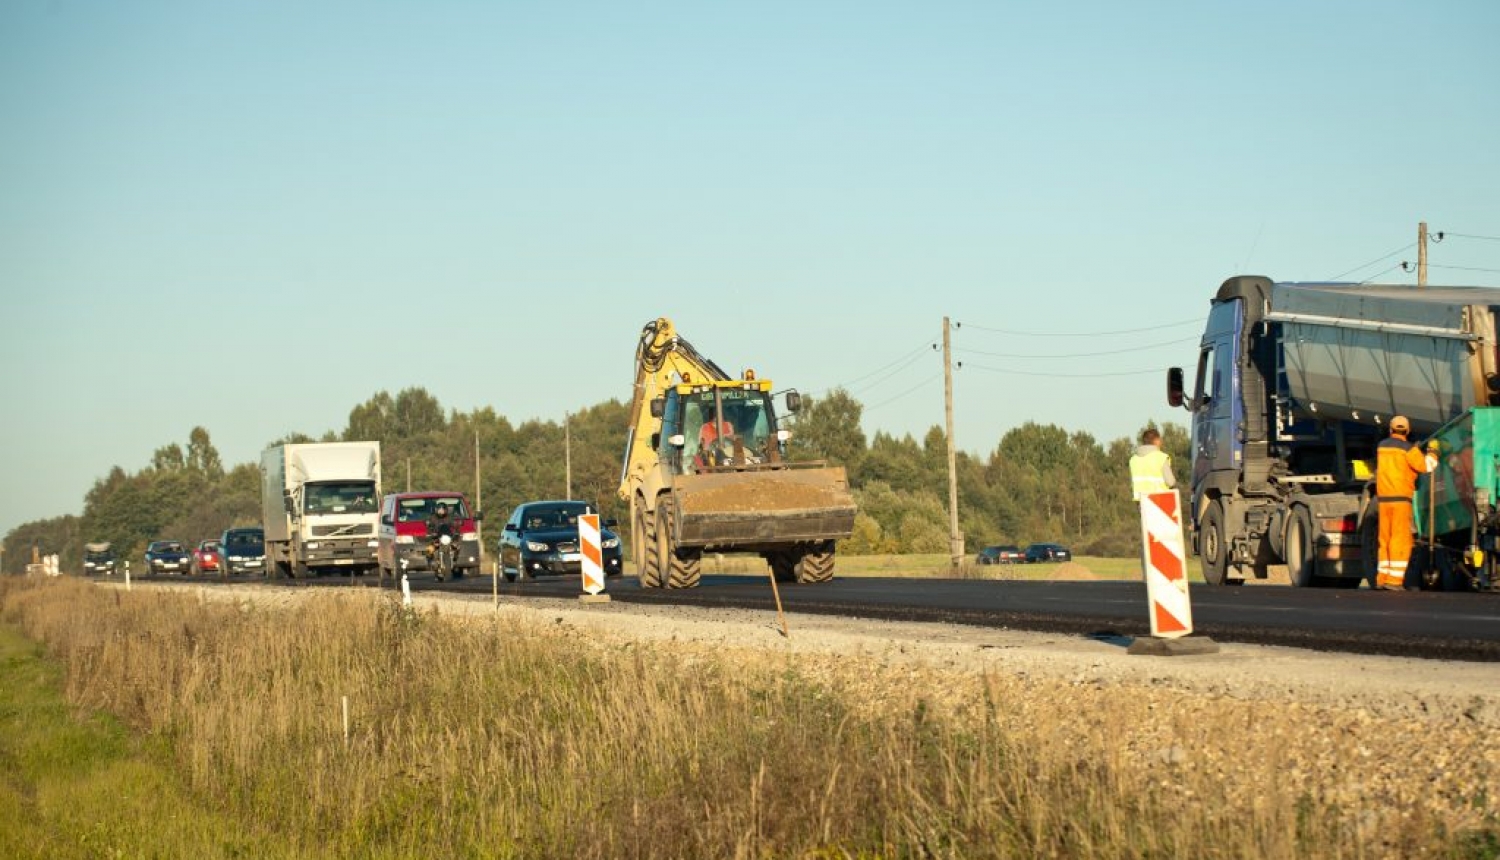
column 442, row 548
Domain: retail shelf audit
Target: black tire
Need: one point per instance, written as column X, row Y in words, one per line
column 683, row 568
column 816, row 565
column 643, row 546
column 1213, row 548
column 1301, row 564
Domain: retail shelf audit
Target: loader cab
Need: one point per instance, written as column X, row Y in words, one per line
column 703, row 426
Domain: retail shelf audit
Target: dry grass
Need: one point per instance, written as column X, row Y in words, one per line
column 508, row 739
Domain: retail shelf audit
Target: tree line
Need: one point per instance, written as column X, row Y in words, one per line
column 1039, row 483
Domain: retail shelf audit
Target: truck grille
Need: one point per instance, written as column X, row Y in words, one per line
column 353, row 530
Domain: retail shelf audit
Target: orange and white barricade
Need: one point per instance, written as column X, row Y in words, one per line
column 1164, row 557
column 591, row 554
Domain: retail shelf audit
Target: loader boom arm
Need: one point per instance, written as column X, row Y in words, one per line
column 662, row 359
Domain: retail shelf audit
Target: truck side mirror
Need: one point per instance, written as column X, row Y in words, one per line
column 478, row 516
column 1174, row 387
column 286, row 501
column 793, row 401
column 658, row 407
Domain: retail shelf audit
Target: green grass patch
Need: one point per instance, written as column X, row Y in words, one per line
column 75, row 783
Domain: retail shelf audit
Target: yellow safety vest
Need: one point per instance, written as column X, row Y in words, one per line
column 1146, row 473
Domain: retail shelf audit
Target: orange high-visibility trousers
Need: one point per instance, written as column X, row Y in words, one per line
column 1395, row 544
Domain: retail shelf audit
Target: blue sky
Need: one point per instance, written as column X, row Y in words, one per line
column 253, row 216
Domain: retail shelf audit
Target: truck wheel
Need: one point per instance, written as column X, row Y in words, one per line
column 1300, row 562
column 1212, row 547
column 816, row 566
column 683, row 567
column 643, row 547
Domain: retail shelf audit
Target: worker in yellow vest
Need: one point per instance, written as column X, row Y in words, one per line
column 1397, row 465
column 1150, row 467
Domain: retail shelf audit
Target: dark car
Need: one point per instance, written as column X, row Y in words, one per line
column 1004, row 554
column 243, row 550
column 167, row 556
column 542, row 538
column 1047, row 552
column 98, row 558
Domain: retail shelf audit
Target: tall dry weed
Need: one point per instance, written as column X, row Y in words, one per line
column 508, row 739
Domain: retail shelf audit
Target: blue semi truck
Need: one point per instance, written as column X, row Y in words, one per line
column 1294, row 387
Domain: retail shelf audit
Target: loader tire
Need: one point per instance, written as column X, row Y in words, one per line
column 647, row 560
column 682, row 567
column 816, row 565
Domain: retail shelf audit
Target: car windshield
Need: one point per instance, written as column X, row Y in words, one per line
column 340, row 497
column 98, row 556
column 166, row 546
column 416, row 510
column 244, row 539
column 553, row 516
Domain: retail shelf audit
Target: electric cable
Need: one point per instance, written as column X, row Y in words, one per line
column 1177, row 342
column 1195, row 321
column 1090, row 375
column 891, row 400
column 1381, row 258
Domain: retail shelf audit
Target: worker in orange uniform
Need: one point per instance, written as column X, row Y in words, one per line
column 1398, row 463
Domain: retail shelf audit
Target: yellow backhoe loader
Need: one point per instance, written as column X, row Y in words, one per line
column 705, row 471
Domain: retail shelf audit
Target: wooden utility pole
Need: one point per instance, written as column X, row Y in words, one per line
column 478, row 502
column 955, row 538
column 1422, row 254
column 408, row 474
column 568, row 455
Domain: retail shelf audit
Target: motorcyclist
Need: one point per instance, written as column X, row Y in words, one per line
column 439, row 524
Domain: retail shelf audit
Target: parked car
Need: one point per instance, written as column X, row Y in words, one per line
column 98, row 558
column 402, row 539
column 1004, row 554
column 205, row 558
column 243, row 550
column 542, row 538
column 167, row 556
column 1047, row 552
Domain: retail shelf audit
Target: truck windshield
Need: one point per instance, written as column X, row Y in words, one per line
column 340, row 497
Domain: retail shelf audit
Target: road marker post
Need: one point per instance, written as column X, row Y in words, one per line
column 405, row 591
column 1164, row 558
column 591, row 556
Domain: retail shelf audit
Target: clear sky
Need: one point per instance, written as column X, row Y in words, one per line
column 255, row 215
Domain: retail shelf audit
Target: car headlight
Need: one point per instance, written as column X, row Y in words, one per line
column 537, row 547
column 405, row 539
column 236, row 558
column 312, row 544
column 372, row 543
column 610, row 543
column 471, row 536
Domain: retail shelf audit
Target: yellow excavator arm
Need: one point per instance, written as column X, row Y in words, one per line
column 662, row 359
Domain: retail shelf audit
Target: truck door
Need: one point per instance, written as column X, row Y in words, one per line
column 1214, row 407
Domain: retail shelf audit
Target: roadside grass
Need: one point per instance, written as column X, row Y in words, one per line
column 76, row 783
column 506, row 738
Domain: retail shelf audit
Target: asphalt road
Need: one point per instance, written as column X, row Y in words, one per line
column 1435, row 625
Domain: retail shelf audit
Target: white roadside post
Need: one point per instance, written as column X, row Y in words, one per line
column 405, row 591
column 1164, row 556
column 127, row 575
column 591, row 557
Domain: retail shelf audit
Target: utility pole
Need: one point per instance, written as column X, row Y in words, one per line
column 1422, row 254
column 408, row 474
column 955, row 538
column 568, row 455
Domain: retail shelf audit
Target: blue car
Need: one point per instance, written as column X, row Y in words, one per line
column 243, row 551
column 541, row 538
column 167, row 556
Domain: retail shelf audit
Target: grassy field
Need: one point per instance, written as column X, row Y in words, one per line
column 504, row 739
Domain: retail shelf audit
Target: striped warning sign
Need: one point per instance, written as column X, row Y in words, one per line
column 592, row 556
column 1166, row 569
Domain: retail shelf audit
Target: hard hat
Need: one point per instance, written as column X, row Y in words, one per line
column 1400, row 424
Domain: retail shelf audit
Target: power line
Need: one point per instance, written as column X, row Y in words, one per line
column 1446, row 234
column 1463, row 268
column 911, row 359
column 1064, row 375
column 925, row 347
column 1195, row 321
column 1381, row 258
column 1177, row 342
column 891, row 400
column 1401, row 266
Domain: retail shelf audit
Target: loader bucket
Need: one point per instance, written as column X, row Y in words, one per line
column 766, row 509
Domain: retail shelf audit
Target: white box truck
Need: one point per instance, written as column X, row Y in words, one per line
column 321, row 507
